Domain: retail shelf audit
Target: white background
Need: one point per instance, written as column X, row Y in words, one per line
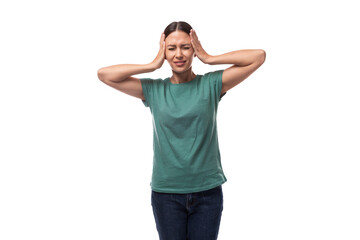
column 76, row 155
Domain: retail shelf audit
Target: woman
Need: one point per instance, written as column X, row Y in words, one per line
column 187, row 175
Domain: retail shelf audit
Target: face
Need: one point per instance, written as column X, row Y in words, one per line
column 178, row 51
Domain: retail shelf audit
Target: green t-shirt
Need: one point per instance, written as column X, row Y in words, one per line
column 186, row 150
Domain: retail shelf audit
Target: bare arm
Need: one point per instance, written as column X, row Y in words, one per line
column 120, row 76
column 245, row 62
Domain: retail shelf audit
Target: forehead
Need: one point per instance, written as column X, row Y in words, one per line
column 178, row 37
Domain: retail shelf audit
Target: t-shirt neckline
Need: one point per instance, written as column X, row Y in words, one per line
column 181, row 84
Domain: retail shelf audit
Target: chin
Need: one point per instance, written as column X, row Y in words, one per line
column 181, row 69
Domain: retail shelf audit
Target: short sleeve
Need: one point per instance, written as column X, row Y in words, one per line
column 146, row 84
column 215, row 79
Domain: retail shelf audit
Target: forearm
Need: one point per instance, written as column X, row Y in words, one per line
column 120, row 72
column 240, row 58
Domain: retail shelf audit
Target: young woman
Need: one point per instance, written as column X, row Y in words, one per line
column 187, row 175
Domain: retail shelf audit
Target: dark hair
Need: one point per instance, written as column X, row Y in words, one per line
column 177, row 26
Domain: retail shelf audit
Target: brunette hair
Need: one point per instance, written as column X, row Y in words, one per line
column 177, row 26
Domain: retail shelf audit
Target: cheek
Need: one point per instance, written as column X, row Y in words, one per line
column 190, row 53
column 167, row 54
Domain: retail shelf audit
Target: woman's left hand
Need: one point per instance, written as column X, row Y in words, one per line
column 199, row 51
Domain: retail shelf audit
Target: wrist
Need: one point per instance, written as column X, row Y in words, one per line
column 210, row 59
column 150, row 67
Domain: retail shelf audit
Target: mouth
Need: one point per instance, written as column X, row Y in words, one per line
column 180, row 63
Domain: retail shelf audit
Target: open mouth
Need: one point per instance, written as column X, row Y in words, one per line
column 180, row 63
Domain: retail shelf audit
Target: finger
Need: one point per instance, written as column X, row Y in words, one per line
column 193, row 37
column 163, row 44
column 193, row 33
column 162, row 38
column 196, row 45
column 193, row 44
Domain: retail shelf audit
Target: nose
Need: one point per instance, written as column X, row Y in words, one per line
column 179, row 54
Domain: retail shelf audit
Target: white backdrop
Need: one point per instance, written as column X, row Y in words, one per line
column 76, row 155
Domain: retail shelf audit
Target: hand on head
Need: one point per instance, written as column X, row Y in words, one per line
column 199, row 51
column 159, row 60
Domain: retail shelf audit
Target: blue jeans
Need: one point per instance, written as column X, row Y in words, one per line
column 193, row 216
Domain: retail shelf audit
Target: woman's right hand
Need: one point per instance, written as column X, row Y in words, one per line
column 159, row 60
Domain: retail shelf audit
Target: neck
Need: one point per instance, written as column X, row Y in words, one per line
column 183, row 77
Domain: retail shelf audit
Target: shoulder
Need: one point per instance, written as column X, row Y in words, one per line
column 214, row 81
column 213, row 78
column 150, row 82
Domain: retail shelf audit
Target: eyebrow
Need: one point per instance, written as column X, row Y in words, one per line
column 173, row 45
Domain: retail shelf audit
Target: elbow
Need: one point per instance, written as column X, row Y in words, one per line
column 101, row 74
column 105, row 75
column 261, row 56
